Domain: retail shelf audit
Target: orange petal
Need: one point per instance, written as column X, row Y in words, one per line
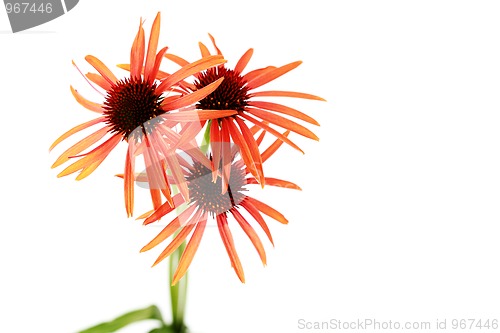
column 226, row 156
column 240, row 141
column 284, row 109
column 258, row 72
column 214, row 44
column 164, row 209
column 99, row 80
column 227, row 239
column 280, row 93
column 254, row 149
column 137, row 53
column 273, row 148
column 152, row 47
column 283, row 122
column 215, row 144
column 189, row 70
column 129, row 182
column 254, row 238
column 275, row 182
column 198, row 115
column 269, row 211
column 169, row 229
column 102, row 69
column 189, row 251
column 242, row 63
column 176, row 59
column 154, row 71
column 178, row 239
column 204, row 50
column 260, row 139
column 272, row 75
column 258, row 217
column 80, row 146
column 96, row 107
column 76, row 129
column 193, row 97
column 271, row 130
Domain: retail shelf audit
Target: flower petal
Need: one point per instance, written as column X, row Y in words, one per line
column 284, row 109
column 283, row 122
column 164, row 209
column 190, row 69
column 214, row 44
column 102, row 69
column 137, row 53
column 192, row 98
column 275, row 182
column 80, row 146
column 227, row 239
column 189, row 251
column 242, row 63
column 254, row 238
column 176, row 59
column 77, row 129
column 280, row 93
column 179, row 238
column 128, row 183
column 254, row 149
column 272, row 75
column 169, row 229
column 269, row 211
column 204, row 50
column 271, row 130
column 258, row 217
column 152, row 47
column 96, row 107
column 99, row 80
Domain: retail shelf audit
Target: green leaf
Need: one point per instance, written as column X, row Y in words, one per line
column 148, row 313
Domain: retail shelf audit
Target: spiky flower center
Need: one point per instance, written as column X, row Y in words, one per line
column 207, row 194
column 132, row 104
column 232, row 94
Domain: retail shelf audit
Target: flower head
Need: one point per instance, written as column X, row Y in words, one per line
column 238, row 92
column 207, row 201
column 139, row 109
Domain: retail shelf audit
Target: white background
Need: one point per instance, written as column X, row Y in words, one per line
column 399, row 213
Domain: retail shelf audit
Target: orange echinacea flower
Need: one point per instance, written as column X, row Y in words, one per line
column 237, row 92
column 137, row 109
column 206, row 199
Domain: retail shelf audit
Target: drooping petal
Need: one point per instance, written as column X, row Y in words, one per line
column 102, row 69
column 272, row 75
column 227, row 239
column 137, row 53
column 198, row 115
column 271, row 130
column 254, row 238
column 189, row 251
column 226, row 156
column 283, row 122
column 281, row 93
column 254, row 149
column 269, row 211
column 242, row 63
column 169, row 229
column 216, row 145
column 257, row 72
column 154, row 71
column 284, row 109
column 152, row 47
column 77, row 129
column 190, row 69
column 258, row 217
column 80, row 146
column 179, row 238
column 240, row 141
column 128, row 183
column 96, row 107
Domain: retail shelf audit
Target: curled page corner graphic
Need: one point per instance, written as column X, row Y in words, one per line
column 26, row 14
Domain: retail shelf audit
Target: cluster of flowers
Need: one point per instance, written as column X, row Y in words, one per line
column 161, row 115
